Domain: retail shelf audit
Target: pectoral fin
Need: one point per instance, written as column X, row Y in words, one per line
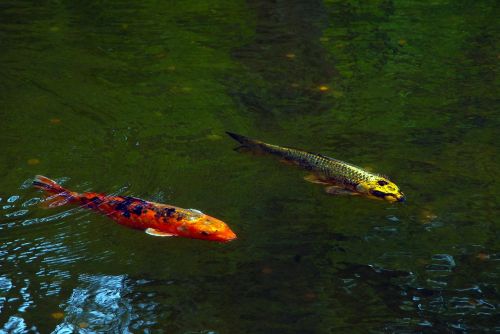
column 334, row 190
column 314, row 179
column 156, row 233
column 288, row 162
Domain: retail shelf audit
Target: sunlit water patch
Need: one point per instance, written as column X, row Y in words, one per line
column 121, row 304
column 38, row 249
column 98, row 304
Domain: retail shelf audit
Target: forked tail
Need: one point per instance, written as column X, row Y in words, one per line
column 60, row 195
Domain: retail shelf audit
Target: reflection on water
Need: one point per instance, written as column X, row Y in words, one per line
column 98, row 304
column 434, row 305
column 35, row 264
column 16, row 325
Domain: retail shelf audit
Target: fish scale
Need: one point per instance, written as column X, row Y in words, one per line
column 154, row 218
column 340, row 177
column 330, row 168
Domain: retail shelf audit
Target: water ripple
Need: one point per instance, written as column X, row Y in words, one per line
column 15, row 325
column 18, row 213
column 100, row 304
column 441, row 263
column 12, row 199
column 32, row 201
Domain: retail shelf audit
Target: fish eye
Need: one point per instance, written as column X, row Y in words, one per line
column 382, row 183
column 204, row 233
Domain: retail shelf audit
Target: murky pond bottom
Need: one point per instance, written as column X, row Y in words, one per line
column 135, row 98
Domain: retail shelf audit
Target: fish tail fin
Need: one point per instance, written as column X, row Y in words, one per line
column 58, row 195
column 47, row 184
column 244, row 141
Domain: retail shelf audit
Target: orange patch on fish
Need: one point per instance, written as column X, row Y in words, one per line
column 155, row 219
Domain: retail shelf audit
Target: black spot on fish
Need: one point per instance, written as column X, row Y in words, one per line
column 168, row 212
column 382, row 183
column 91, row 202
column 124, row 206
column 96, row 200
column 137, row 210
column 204, row 233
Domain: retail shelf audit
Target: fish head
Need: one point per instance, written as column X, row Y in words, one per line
column 206, row 227
column 381, row 188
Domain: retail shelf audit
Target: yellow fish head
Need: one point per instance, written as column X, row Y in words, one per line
column 381, row 188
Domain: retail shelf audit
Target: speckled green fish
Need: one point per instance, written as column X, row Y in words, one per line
column 339, row 177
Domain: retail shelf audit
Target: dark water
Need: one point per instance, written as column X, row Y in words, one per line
column 133, row 98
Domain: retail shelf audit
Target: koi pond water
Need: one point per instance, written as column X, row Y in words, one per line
column 133, row 98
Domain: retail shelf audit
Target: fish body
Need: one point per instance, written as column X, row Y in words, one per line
column 154, row 218
column 340, row 177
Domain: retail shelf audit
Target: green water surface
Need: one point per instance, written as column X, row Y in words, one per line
column 134, row 97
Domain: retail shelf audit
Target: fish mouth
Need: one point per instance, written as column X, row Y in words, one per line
column 226, row 236
column 388, row 197
column 396, row 198
column 230, row 236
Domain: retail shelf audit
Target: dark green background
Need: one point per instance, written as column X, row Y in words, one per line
column 133, row 98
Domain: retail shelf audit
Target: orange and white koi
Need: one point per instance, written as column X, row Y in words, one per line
column 154, row 218
column 341, row 178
